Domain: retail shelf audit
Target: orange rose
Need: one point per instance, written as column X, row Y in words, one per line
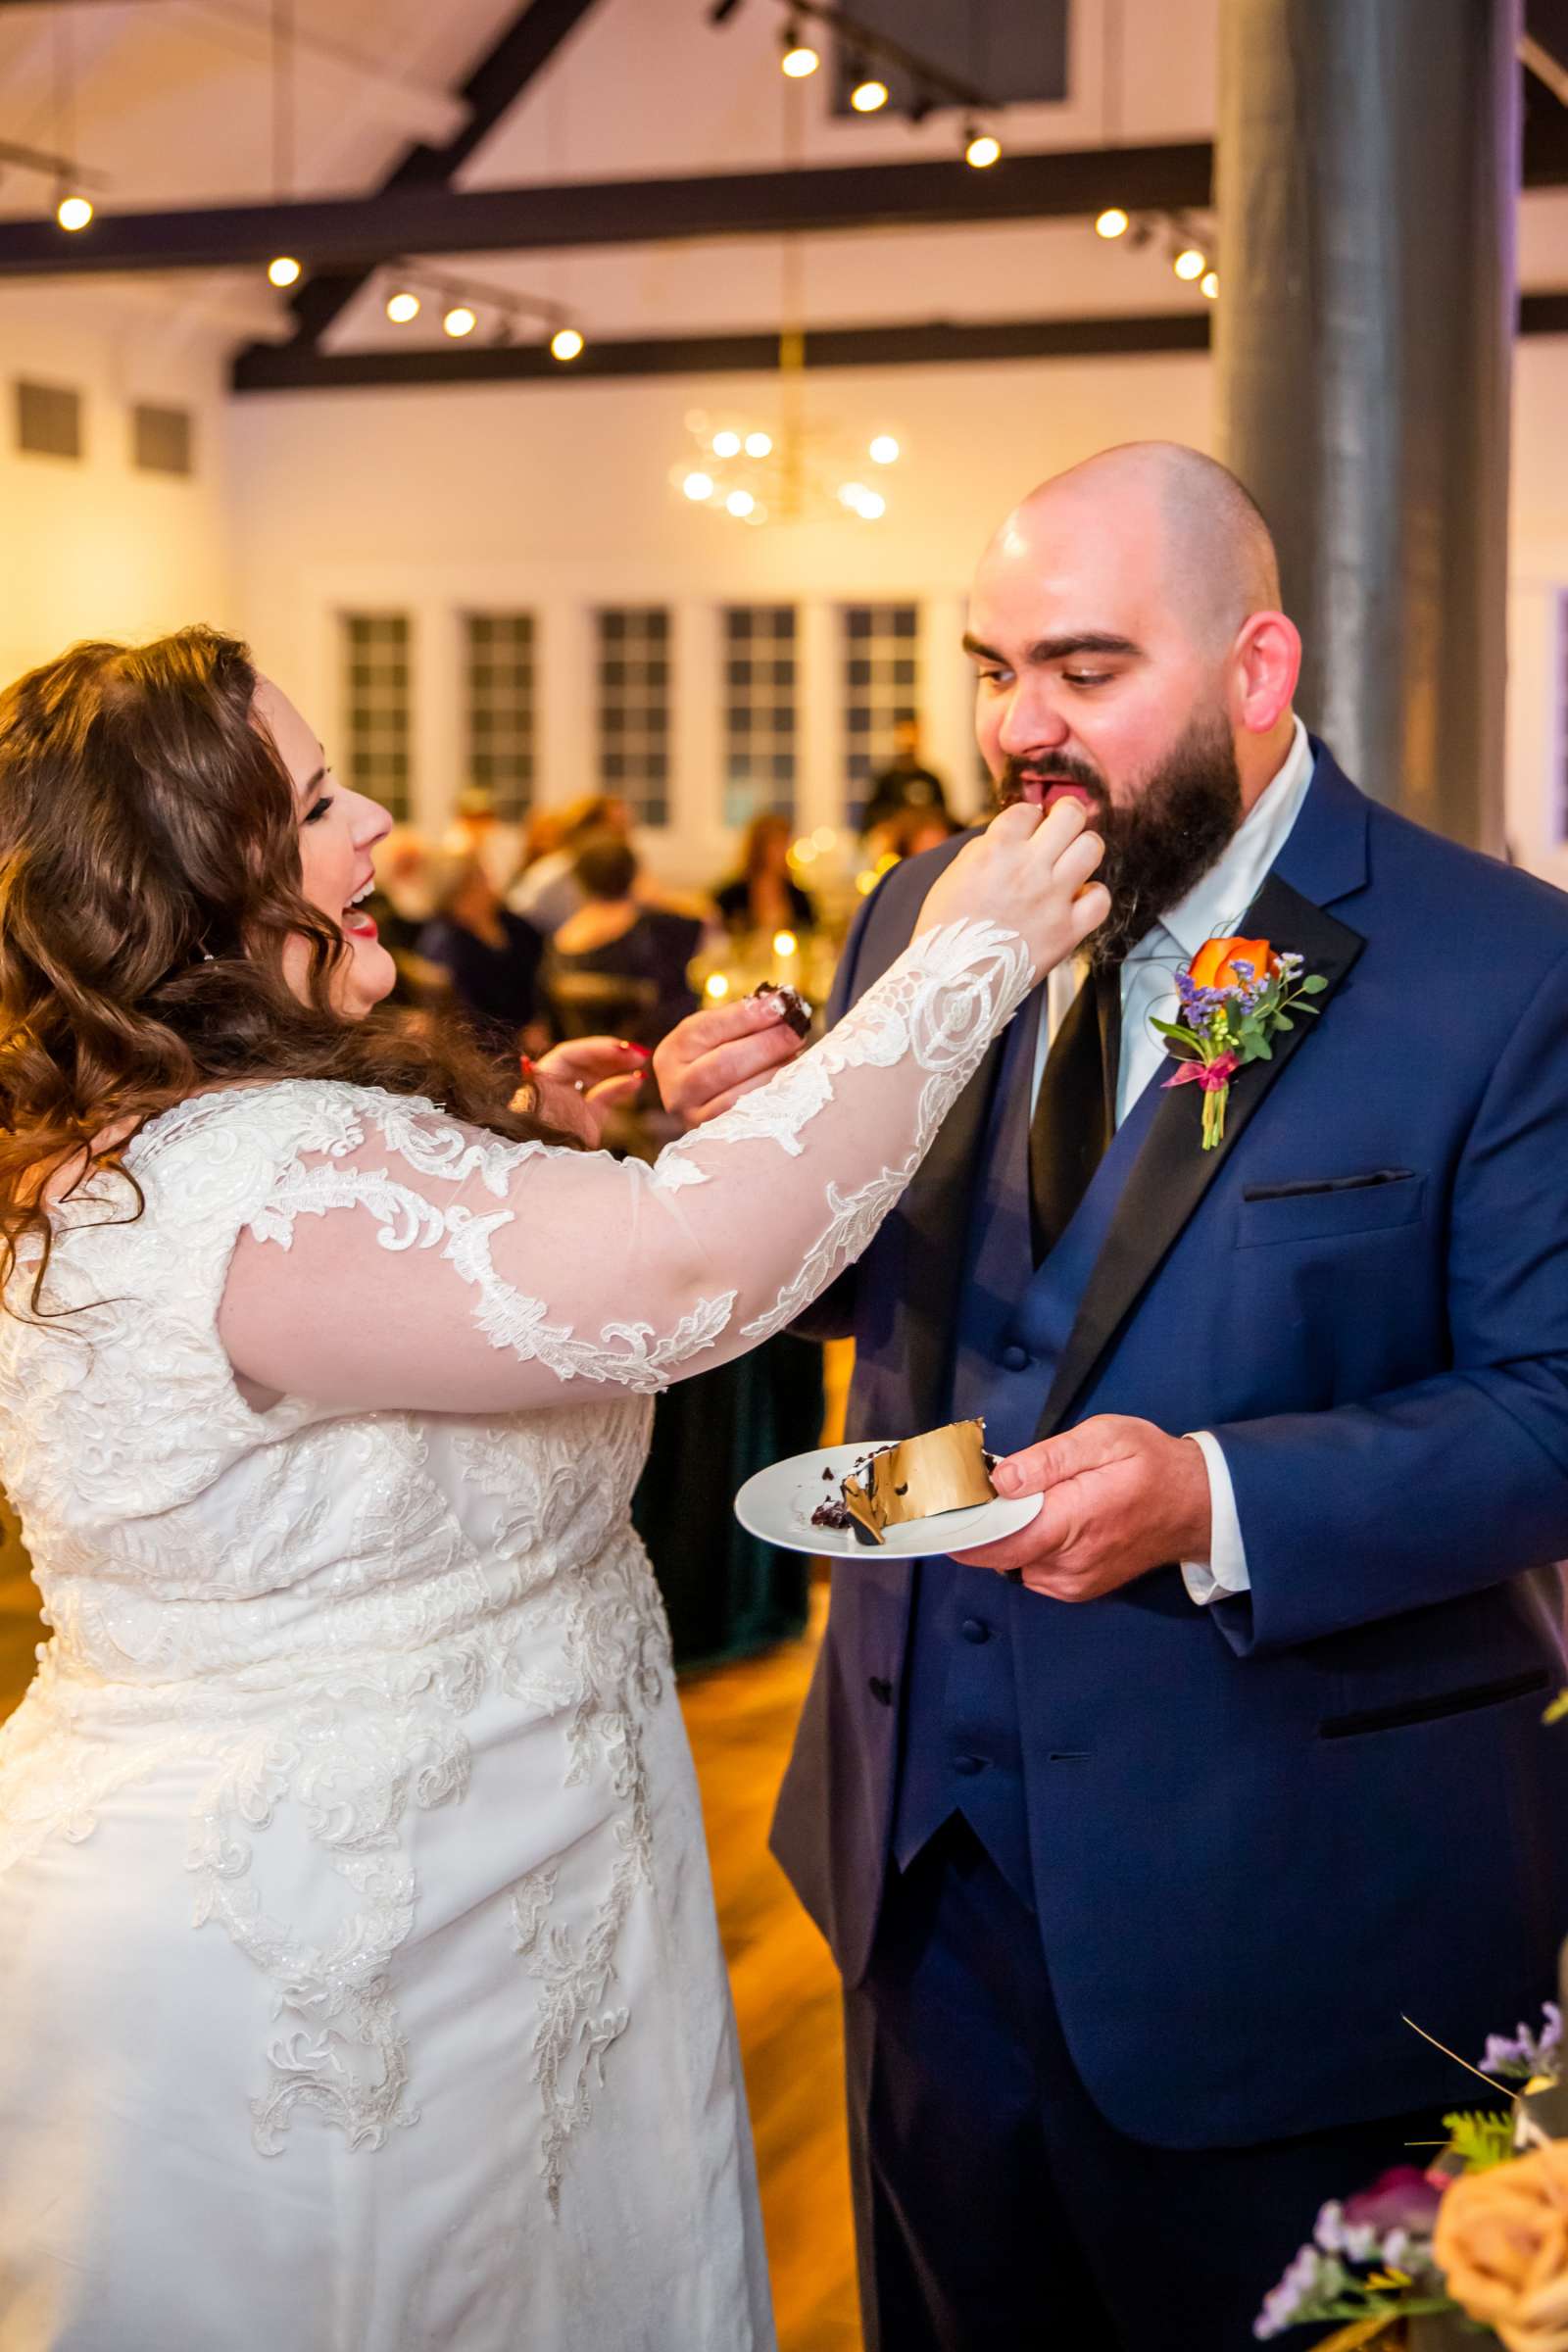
column 1215, row 964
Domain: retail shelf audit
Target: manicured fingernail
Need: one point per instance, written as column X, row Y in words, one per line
column 526, row 1066
column 641, row 1052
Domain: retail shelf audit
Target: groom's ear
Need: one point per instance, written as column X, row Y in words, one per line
column 1265, row 665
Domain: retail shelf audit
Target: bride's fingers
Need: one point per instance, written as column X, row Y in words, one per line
column 1079, row 860
column 1064, row 820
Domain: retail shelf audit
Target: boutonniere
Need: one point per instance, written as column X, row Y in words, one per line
column 1236, row 997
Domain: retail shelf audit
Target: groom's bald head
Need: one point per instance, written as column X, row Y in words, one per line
column 1193, row 530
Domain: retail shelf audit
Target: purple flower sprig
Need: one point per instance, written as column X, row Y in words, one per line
column 1524, row 2055
column 1368, row 2258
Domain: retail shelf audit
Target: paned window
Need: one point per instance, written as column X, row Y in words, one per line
column 500, row 702
column 378, row 705
column 760, row 711
column 633, row 707
column 881, row 686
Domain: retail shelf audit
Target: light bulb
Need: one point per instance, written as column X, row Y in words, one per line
column 867, row 96
column 1209, row 285
column 801, row 58
column 726, row 445
column 740, row 503
column 400, row 308
column 565, row 343
column 759, row 445
column 851, row 493
column 460, row 320
column 284, row 271
column 75, row 212
column 803, row 853
column 982, row 151
column 698, row 487
column 884, row 450
column 716, row 985
column 870, row 506
column 784, row 943
column 824, row 838
column 1189, row 263
column 1112, row 223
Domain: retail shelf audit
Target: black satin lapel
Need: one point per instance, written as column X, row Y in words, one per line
column 1173, row 1172
column 935, row 1211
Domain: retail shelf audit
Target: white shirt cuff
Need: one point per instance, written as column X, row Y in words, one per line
column 1225, row 1569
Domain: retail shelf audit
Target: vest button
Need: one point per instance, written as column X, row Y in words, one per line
column 968, row 1764
column 975, row 1628
column 881, row 1690
column 1015, row 1358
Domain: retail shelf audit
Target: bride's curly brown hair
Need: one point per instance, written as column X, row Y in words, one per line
column 149, row 879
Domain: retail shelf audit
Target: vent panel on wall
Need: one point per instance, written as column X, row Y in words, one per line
column 161, row 439
column 48, row 420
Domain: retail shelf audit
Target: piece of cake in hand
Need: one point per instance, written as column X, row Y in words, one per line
column 945, row 1470
column 789, row 1003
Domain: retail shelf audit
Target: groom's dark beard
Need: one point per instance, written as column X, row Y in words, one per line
column 1158, row 848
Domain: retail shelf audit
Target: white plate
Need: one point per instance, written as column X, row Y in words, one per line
column 778, row 1505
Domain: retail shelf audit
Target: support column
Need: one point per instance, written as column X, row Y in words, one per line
column 1367, row 185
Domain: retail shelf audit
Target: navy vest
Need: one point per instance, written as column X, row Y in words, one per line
column 961, row 1751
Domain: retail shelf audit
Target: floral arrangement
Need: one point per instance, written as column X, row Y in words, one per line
column 1235, row 997
column 1479, row 2235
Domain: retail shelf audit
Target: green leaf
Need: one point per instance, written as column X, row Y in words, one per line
column 1283, row 1021
column 1176, row 1030
column 1313, row 985
column 1480, row 2139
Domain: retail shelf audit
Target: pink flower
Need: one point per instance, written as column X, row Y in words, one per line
column 1401, row 2198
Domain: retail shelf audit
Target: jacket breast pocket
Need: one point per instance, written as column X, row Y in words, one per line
column 1330, row 1207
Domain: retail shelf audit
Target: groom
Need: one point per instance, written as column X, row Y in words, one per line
column 1131, row 1867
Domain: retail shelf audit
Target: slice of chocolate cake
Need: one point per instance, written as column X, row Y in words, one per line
column 790, row 1005
column 944, row 1470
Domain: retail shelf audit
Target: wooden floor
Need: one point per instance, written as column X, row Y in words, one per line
column 741, row 1720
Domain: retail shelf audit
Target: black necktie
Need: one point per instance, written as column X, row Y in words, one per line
column 1076, row 1113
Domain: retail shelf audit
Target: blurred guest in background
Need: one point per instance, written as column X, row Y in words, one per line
column 906, row 783
column 619, row 966
column 402, row 904
column 489, row 954
column 764, row 895
column 547, row 889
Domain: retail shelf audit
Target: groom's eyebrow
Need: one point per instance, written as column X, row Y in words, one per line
column 1057, row 649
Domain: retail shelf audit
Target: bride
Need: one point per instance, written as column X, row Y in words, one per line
column 358, row 1974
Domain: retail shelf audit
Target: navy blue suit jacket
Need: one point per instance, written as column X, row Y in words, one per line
column 1262, row 1831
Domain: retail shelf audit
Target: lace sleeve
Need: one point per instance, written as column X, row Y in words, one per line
column 420, row 1265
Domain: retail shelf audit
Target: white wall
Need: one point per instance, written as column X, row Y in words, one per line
column 559, row 498
column 96, row 547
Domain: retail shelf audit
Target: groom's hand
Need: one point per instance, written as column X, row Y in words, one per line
column 1120, row 1497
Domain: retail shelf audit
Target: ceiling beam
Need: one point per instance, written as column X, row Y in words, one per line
column 362, row 233
column 519, row 57
column 293, row 368
column 287, row 367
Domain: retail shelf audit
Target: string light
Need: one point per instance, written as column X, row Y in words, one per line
column 726, row 445
column 740, row 503
column 981, row 150
column 1209, row 285
column 73, row 212
column 565, row 343
column 1112, row 223
column 884, row 450
column 458, row 321
column 784, row 943
column 1189, row 263
column 759, row 445
column 698, row 487
column 402, row 307
column 285, row 270
column 799, row 58
column 717, row 985
column 868, row 96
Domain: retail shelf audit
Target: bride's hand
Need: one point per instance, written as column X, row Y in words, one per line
column 576, row 1086
column 1031, row 873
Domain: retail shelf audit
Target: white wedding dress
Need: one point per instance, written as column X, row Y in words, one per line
column 360, row 1987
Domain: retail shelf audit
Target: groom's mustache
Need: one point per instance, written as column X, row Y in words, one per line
column 1031, row 779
